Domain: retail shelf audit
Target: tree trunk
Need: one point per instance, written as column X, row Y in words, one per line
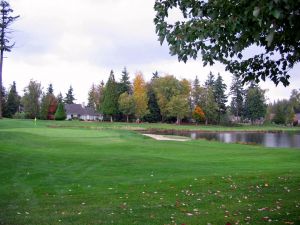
column 111, row 119
column 127, row 119
column 178, row 121
column 206, row 122
column 1, row 65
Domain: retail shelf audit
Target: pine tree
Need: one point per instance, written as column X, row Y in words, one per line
column 221, row 98
column 210, row 82
column 50, row 89
column 110, row 97
column 154, row 111
column 93, row 97
column 155, row 75
column 100, row 91
column 59, row 98
column 69, row 99
column 237, row 92
column 124, row 85
column 209, row 105
column 13, row 101
column 5, row 21
column 255, row 106
column 60, row 113
column 196, row 91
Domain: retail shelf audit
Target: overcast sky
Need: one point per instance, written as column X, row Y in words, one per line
column 75, row 42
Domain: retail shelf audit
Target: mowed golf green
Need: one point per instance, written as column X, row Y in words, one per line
column 88, row 173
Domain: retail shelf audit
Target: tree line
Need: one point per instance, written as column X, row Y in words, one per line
column 162, row 99
column 167, row 99
column 35, row 103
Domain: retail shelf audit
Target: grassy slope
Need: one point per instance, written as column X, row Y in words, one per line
column 104, row 176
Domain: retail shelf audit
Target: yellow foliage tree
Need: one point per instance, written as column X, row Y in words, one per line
column 198, row 114
column 140, row 96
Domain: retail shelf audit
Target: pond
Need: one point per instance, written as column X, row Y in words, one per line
column 267, row 139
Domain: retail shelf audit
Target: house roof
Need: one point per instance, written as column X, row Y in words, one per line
column 74, row 109
column 90, row 111
column 77, row 109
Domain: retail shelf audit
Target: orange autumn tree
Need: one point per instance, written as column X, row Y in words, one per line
column 140, row 96
column 198, row 114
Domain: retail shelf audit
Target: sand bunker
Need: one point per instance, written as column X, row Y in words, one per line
column 166, row 138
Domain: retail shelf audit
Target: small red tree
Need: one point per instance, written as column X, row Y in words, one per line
column 52, row 107
column 198, row 114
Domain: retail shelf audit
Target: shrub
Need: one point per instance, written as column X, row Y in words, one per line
column 60, row 113
column 198, row 114
column 19, row 115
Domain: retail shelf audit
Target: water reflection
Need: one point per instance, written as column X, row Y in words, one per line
column 286, row 140
column 282, row 139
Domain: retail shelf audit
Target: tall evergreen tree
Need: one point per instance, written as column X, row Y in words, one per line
column 210, row 82
column 196, row 92
column 13, row 101
column 237, row 92
column 100, row 91
column 220, row 96
column 5, row 22
column 255, row 103
column 124, row 85
column 69, row 99
column 110, row 97
column 50, row 89
column 31, row 99
column 154, row 111
column 209, row 105
column 59, row 98
column 93, row 97
column 155, row 75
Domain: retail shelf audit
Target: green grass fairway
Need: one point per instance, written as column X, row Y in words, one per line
column 92, row 173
